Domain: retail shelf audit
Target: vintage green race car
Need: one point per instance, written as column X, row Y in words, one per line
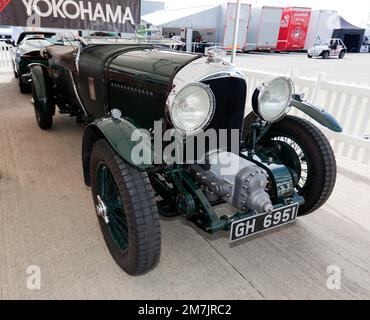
column 166, row 134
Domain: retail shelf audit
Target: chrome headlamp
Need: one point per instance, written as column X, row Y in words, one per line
column 271, row 101
column 192, row 108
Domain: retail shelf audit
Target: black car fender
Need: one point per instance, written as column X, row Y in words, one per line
column 125, row 138
column 41, row 89
column 320, row 115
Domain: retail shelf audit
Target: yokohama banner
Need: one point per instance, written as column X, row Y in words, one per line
column 103, row 15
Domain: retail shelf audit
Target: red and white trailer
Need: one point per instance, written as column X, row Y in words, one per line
column 293, row 28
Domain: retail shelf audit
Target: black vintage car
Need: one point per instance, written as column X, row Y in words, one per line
column 27, row 51
column 131, row 94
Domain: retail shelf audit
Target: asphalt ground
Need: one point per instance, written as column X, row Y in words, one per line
column 354, row 68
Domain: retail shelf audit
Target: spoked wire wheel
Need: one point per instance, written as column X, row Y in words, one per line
column 126, row 208
column 303, row 148
column 110, row 208
column 299, row 160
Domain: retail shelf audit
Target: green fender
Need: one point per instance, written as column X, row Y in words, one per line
column 319, row 115
column 125, row 138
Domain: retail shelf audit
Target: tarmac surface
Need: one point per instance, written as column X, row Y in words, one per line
column 354, row 68
column 47, row 219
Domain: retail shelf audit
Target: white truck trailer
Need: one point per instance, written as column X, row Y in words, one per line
column 226, row 27
column 322, row 24
column 264, row 28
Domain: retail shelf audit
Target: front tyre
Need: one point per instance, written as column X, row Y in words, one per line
column 24, row 87
column 317, row 168
column 127, row 211
column 44, row 121
column 342, row 54
column 325, row 55
column 44, row 108
column 309, row 56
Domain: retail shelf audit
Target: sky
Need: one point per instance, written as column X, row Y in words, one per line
column 355, row 11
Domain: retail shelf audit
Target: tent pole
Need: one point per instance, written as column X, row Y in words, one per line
column 236, row 27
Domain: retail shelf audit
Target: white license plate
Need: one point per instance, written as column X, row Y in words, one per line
column 262, row 222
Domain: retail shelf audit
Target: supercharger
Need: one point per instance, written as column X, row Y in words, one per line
column 238, row 181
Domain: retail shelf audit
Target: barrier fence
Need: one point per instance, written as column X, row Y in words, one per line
column 349, row 104
column 5, row 57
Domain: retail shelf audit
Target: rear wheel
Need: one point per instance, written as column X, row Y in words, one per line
column 314, row 159
column 325, row 55
column 309, row 56
column 126, row 206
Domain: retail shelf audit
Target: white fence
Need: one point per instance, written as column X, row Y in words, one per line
column 5, row 57
column 349, row 104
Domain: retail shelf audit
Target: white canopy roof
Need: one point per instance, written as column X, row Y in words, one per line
column 205, row 17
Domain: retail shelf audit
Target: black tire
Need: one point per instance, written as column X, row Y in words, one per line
column 325, row 55
column 39, row 91
column 139, row 249
column 44, row 121
column 342, row 54
column 309, row 56
column 24, row 87
column 321, row 170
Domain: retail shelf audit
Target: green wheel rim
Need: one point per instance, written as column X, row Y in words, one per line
column 115, row 221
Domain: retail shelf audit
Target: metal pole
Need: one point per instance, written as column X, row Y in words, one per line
column 236, row 27
column 189, row 39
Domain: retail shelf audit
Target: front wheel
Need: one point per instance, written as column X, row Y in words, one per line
column 315, row 160
column 24, row 87
column 44, row 121
column 325, row 55
column 127, row 210
column 309, row 56
column 44, row 108
column 342, row 54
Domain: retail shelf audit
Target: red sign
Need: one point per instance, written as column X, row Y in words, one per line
column 293, row 29
column 3, row 4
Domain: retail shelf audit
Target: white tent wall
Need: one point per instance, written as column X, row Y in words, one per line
column 208, row 35
column 322, row 24
column 184, row 22
column 205, row 17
